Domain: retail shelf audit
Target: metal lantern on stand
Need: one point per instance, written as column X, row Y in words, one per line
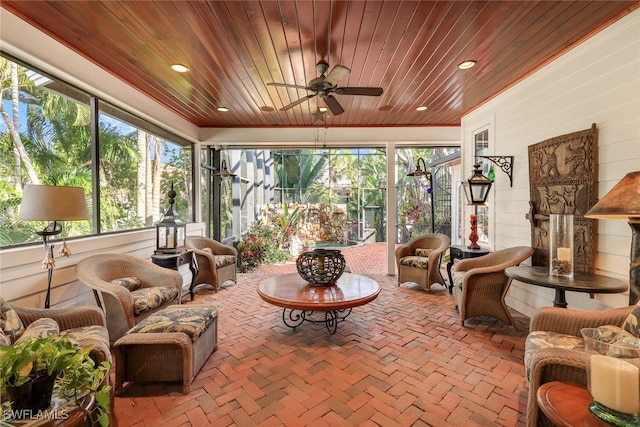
column 170, row 231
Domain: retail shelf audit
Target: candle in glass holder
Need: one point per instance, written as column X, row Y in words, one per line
column 564, row 254
column 615, row 384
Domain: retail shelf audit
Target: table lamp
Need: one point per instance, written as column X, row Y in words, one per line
column 623, row 202
column 52, row 204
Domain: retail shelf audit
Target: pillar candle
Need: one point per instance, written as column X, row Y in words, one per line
column 615, row 383
column 170, row 241
column 564, row 254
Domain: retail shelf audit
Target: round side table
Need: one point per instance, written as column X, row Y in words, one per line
column 567, row 405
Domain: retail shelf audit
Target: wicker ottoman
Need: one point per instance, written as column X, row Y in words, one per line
column 170, row 345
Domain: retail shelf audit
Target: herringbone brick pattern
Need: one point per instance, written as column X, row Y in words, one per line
column 402, row 360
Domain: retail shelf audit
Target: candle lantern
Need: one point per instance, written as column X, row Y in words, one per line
column 613, row 375
column 561, row 245
column 170, row 231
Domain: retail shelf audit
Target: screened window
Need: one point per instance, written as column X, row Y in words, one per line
column 49, row 134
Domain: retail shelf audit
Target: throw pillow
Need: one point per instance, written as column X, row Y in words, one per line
column 39, row 328
column 631, row 324
column 423, row 252
column 10, row 323
column 131, row 283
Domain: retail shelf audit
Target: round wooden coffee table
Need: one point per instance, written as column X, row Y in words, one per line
column 301, row 300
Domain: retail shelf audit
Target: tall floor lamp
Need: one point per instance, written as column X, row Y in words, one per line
column 623, row 202
column 52, row 204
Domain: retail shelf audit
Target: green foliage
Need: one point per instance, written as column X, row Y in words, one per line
column 263, row 243
column 56, row 355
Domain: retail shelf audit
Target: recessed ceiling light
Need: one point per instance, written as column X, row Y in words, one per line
column 222, row 109
column 421, row 108
column 323, row 109
column 267, row 108
column 467, row 64
column 179, row 68
column 384, row 108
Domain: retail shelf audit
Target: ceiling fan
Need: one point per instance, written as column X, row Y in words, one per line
column 323, row 86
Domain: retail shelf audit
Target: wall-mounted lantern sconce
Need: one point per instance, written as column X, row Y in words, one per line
column 503, row 162
column 422, row 171
column 476, row 188
column 419, row 171
column 224, row 173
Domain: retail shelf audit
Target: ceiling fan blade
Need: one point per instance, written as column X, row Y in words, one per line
column 366, row 91
column 289, row 85
column 336, row 74
column 334, row 105
column 298, row 102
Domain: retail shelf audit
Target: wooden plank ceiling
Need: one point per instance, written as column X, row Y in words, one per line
column 411, row 49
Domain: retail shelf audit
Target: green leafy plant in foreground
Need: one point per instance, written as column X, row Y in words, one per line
column 77, row 374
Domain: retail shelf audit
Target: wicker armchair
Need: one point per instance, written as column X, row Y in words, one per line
column 216, row 262
column 70, row 318
column 567, row 364
column 159, row 288
column 418, row 260
column 86, row 325
column 480, row 284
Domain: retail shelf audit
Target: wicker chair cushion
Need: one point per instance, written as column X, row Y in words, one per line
column 193, row 321
column 631, row 324
column 424, row 252
column 97, row 336
column 4, row 340
column 224, row 260
column 539, row 340
column 458, row 280
column 148, row 299
column 39, row 328
column 10, row 323
column 415, row 261
column 131, row 283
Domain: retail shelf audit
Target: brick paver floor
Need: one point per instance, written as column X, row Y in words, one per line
column 402, row 360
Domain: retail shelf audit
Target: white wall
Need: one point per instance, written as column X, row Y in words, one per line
column 24, row 282
column 596, row 82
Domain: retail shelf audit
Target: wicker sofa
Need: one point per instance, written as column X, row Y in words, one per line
column 554, row 348
column 110, row 277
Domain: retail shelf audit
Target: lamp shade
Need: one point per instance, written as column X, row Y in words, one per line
column 621, row 202
column 52, row 203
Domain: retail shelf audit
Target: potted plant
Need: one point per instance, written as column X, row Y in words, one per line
column 29, row 370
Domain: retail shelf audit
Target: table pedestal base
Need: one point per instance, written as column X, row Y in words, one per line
column 294, row 318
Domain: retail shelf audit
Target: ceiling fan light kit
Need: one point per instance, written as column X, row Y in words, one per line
column 323, row 87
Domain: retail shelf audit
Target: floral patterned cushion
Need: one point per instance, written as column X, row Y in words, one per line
column 148, row 299
column 415, row 261
column 458, row 280
column 98, row 336
column 539, row 340
column 193, row 321
column 224, row 260
column 4, row 340
column 631, row 324
column 131, row 283
column 10, row 323
column 422, row 252
column 39, row 328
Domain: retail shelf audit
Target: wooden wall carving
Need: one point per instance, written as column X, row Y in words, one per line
column 563, row 177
